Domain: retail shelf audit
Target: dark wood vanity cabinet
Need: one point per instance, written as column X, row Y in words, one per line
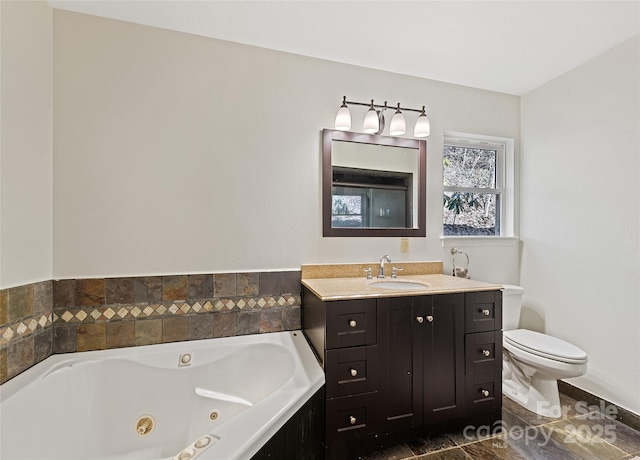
column 399, row 364
column 421, row 347
column 344, row 334
column 483, row 351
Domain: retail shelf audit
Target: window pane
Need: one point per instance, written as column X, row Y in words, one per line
column 471, row 213
column 347, row 211
column 468, row 167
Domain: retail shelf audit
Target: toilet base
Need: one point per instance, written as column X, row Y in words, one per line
column 541, row 396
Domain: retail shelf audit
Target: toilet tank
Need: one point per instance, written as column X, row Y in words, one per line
column 511, row 306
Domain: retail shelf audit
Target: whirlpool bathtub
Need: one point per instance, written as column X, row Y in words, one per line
column 207, row 399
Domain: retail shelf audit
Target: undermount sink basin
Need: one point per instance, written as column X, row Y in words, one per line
column 398, row 284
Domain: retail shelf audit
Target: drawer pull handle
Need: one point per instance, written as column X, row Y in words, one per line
column 430, row 318
column 352, row 323
column 486, row 352
column 352, row 420
column 485, row 393
column 353, row 372
column 420, row 319
column 485, row 312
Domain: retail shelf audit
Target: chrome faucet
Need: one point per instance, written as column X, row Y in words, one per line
column 384, row 259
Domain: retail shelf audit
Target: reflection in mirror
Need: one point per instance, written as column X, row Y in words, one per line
column 373, row 185
column 371, row 198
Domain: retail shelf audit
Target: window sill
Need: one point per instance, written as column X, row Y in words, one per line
column 451, row 241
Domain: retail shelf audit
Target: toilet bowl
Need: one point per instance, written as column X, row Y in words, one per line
column 533, row 362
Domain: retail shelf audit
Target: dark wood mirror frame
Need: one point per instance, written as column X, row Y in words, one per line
column 328, row 136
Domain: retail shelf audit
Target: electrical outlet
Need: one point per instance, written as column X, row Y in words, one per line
column 404, row 245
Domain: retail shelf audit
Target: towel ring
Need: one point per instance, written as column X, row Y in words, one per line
column 461, row 272
column 466, row 265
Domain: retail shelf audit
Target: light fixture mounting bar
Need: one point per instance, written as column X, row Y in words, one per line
column 385, row 106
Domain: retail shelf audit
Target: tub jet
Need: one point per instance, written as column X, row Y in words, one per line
column 185, row 360
column 145, row 425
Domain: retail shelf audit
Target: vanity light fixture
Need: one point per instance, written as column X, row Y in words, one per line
column 343, row 117
column 423, row 127
column 374, row 120
column 398, row 125
column 371, row 120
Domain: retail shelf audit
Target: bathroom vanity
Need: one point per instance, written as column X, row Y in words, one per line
column 403, row 361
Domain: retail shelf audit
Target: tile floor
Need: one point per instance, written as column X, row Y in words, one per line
column 579, row 434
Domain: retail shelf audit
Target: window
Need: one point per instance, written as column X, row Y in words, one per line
column 348, row 208
column 475, row 179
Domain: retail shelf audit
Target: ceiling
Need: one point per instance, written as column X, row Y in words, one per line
column 506, row 46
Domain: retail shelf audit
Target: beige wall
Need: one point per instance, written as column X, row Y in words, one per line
column 176, row 153
column 580, row 218
column 25, row 142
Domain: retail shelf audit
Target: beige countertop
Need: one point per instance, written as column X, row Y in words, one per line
column 360, row 287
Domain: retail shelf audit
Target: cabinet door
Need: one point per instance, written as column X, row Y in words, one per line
column 443, row 357
column 399, row 404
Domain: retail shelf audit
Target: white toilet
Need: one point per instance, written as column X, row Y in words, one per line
column 533, row 362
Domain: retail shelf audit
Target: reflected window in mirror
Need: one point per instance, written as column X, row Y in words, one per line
column 373, row 185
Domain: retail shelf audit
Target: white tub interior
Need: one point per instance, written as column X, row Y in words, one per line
column 86, row 405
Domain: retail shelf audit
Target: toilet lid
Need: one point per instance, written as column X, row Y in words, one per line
column 545, row 346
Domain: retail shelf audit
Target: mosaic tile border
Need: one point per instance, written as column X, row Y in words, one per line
column 138, row 311
column 25, row 327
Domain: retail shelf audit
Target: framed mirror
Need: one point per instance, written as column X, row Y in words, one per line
column 373, row 185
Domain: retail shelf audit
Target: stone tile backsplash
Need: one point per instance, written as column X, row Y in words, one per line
column 66, row 316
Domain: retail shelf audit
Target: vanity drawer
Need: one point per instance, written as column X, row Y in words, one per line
column 351, row 323
column 483, row 311
column 484, row 392
column 483, row 352
column 351, row 371
column 350, row 415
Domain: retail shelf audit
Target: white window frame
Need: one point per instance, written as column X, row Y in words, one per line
column 505, row 185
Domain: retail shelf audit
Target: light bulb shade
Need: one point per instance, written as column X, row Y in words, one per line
column 343, row 118
column 371, row 122
column 423, row 127
column 398, row 125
